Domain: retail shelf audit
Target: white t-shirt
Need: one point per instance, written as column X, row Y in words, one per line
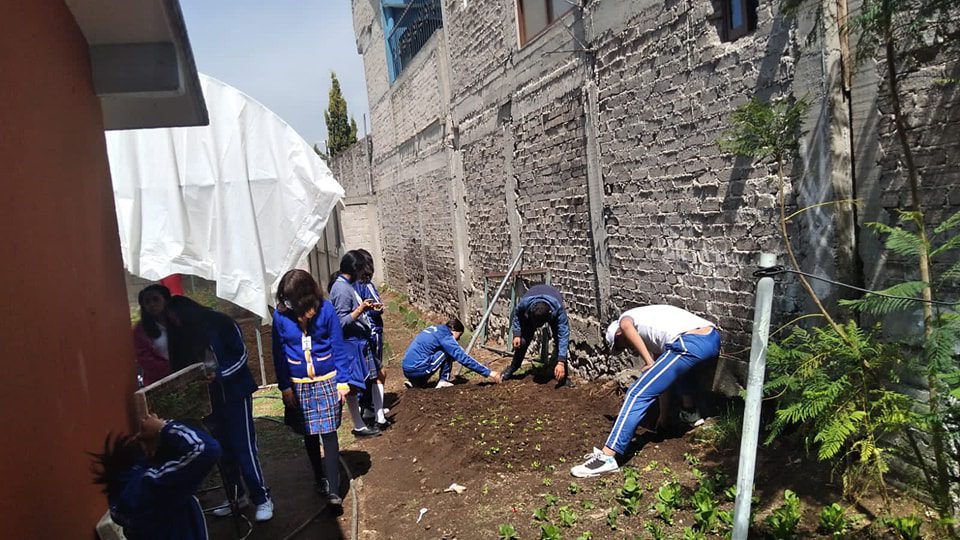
column 161, row 344
column 661, row 324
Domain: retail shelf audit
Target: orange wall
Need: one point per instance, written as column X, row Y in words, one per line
column 66, row 356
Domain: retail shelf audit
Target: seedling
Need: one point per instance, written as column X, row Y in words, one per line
column 585, row 535
column 691, row 534
column 587, row 505
column 833, row 520
column 654, row 529
column 612, row 518
column 573, row 488
column 549, row 531
column 534, row 465
column 691, row 459
column 485, row 489
column 547, row 482
column 704, row 510
column 908, row 527
column 551, row 500
column 542, row 513
column 507, row 532
column 568, row 518
column 783, row 521
column 668, row 499
column 631, row 492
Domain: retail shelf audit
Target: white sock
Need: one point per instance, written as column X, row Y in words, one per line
column 354, row 406
column 378, row 403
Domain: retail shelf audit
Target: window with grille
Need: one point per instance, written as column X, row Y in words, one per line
column 408, row 24
column 534, row 16
column 739, row 18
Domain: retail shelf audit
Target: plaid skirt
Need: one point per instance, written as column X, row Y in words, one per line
column 320, row 404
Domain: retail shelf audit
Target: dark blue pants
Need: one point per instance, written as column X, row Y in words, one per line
column 439, row 360
column 232, row 426
column 677, row 359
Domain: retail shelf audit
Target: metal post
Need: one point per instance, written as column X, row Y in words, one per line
column 486, row 303
column 751, row 409
column 263, row 370
column 493, row 302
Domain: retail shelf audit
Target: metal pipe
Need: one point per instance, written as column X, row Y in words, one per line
column 493, row 302
column 751, row 409
column 263, row 370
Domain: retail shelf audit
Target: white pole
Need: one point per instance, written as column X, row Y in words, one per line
column 751, row 409
column 263, row 370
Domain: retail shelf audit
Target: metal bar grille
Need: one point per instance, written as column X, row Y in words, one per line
column 412, row 27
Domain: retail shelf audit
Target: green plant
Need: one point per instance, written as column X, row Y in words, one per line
column 705, row 513
column 908, row 527
column 833, row 520
column 587, row 505
column 693, row 534
column 542, row 513
column 568, row 518
column 833, row 388
column 655, row 530
column 547, row 482
column 573, row 488
column 668, row 500
column 550, row 499
column 549, row 531
column 506, row 532
column 724, row 431
column 612, row 518
column 585, row 535
column 631, row 492
column 784, row 520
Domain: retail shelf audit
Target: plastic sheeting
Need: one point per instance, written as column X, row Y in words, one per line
column 239, row 201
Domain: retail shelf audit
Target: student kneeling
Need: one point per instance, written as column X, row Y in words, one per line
column 435, row 349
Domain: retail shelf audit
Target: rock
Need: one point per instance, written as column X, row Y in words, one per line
column 625, row 378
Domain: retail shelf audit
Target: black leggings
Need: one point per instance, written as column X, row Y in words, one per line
column 329, row 465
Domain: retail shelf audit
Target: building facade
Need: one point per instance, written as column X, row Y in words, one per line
column 586, row 133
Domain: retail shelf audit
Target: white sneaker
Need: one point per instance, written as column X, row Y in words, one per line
column 596, row 463
column 444, row 384
column 224, row 509
column 264, row 511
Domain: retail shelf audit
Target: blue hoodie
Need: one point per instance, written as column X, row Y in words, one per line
column 432, row 340
column 157, row 502
column 234, row 381
column 328, row 356
column 558, row 315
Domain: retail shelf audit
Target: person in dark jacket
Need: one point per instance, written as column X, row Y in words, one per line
column 542, row 304
column 354, row 314
column 313, row 372
column 434, row 349
column 201, row 334
column 373, row 397
column 150, row 479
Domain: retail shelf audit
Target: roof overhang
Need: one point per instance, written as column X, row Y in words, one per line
column 142, row 63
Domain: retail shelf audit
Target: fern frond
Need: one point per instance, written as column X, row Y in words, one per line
column 952, row 273
column 834, row 435
column 952, row 243
column 950, row 223
column 899, row 240
column 874, row 304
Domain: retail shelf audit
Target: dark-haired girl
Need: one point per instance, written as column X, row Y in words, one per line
column 313, row 371
column 367, row 291
column 198, row 333
column 150, row 339
column 352, row 312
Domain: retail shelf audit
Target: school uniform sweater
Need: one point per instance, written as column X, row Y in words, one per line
column 157, row 502
column 327, row 356
column 558, row 321
column 368, row 291
column 234, row 382
column 428, row 343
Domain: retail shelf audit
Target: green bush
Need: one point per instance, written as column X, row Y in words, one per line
column 784, row 520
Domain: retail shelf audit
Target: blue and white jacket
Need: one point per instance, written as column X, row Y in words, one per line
column 326, row 357
column 233, row 381
column 428, row 343
column 367, row 290
column 558, row 321
column 157, row 502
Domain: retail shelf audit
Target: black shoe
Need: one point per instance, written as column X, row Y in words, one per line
column 382, row 426
column 566, row 383
column 506, row 374
column 334, row 499
column 366, row 431
column 322, row 487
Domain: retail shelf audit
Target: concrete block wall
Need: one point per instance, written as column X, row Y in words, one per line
column 352, row 169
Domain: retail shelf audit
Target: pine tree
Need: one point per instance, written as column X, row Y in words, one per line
column 341, row 133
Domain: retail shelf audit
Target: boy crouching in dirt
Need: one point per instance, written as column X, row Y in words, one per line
column 436, row 348
column 150, row 479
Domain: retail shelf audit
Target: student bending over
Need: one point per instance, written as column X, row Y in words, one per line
column 681, row 339
column 149, row 479
column 436, row 348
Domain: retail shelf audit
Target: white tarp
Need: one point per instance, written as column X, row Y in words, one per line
column 240, row 201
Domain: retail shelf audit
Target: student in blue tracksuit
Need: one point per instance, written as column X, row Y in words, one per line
column 542, row 304
column 200, row 333
column 679, row 340
column 150, row 480
column 354, row 316
column 434, row 349
column 367, row 291
column 313, row 372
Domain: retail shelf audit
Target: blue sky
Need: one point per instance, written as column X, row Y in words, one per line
column 281, row 53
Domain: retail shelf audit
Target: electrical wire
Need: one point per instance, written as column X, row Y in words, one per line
column 777, row 270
